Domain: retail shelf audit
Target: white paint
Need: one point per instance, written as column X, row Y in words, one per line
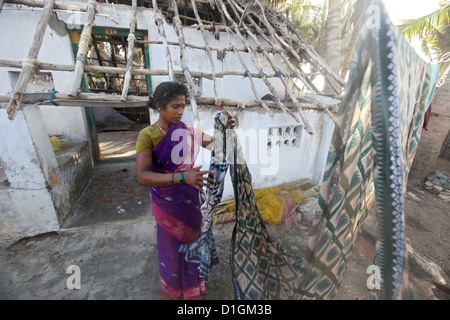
column 56, row 48
column 26, row 213
column 292, row 163
column 26, row 206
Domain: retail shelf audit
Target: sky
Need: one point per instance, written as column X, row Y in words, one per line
column 405, row 9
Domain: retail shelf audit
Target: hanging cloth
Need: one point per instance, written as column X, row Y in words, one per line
column 375, row 139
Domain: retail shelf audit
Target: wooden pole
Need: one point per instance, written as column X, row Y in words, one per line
column 162, row 33
column 110, row 100
column 131, row 39
column 250, row 78
column 179, row 29
column 208, row 48
column 255, row 60
column 282, row 78
column 312, row 88
column 83, row 48
column 117, row 70
column 41, row 3
column 29, row 66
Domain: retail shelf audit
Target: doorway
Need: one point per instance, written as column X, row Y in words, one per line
column 114, row 130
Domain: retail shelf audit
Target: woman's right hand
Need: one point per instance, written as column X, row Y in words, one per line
column 194, row 177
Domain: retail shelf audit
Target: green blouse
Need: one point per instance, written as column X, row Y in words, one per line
column 148, row 139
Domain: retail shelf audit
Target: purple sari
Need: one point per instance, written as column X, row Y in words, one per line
column 177, row 212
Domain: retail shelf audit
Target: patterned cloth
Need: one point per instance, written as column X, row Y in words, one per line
column 374, row 143
column 203, row 251
column 378, row 128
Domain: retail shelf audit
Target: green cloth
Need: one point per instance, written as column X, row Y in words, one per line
column 148, row 139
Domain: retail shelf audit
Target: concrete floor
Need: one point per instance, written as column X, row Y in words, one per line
column 111, row 236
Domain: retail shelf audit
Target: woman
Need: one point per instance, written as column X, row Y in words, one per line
column 166, row 153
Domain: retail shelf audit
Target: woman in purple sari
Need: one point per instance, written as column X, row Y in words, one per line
column 166, row 153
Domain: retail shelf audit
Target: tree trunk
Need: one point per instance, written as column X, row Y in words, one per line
column 333, row 53
column 360, row 12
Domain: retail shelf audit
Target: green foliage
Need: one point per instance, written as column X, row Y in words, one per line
column 434, row 31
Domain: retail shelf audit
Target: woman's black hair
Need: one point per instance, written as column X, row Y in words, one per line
column 166, row 92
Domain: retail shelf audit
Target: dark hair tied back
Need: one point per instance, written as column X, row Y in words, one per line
column 166, row 92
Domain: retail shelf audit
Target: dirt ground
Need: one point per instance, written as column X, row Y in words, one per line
column 427, row 220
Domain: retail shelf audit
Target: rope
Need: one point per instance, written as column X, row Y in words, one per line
column 261, row 73
column 221, row 54
column 241, row 105
column 131, row 37
column 85, row 42
column 218, row 101
column 158, row 16
column 278, row 73
column 82, row 59
column 295, row 74
column 52, row 97
column 30, row 63
column 276, row 48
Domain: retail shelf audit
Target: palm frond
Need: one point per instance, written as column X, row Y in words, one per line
column 427, row 24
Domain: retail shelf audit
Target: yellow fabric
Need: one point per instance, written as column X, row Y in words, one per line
column 57, row 144
column 268, row 201
column 148, row 139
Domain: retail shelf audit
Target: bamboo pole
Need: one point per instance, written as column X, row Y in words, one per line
column 29, row 66
column 312, row 88
column 224, row 10
column 131, row 39
column 298, row 73
column 83, row 48
column 250, row 78
column 282, row 78
column 118, row 70
column 314, row 55
column 110, row 100
column 208, row 49
column 162, row 33
column 41, row 4
column 187, row 74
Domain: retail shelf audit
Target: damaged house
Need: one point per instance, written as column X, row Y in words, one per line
column 70, row 66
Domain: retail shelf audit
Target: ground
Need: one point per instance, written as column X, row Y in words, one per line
column 113, row 241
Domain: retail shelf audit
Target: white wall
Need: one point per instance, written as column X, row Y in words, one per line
column 305, row 160
column 56, row 48
column 26, row 206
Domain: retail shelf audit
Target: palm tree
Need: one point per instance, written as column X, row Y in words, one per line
column 356, row 22
column 434, row 31
column 333, row 51
column 276, row 3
